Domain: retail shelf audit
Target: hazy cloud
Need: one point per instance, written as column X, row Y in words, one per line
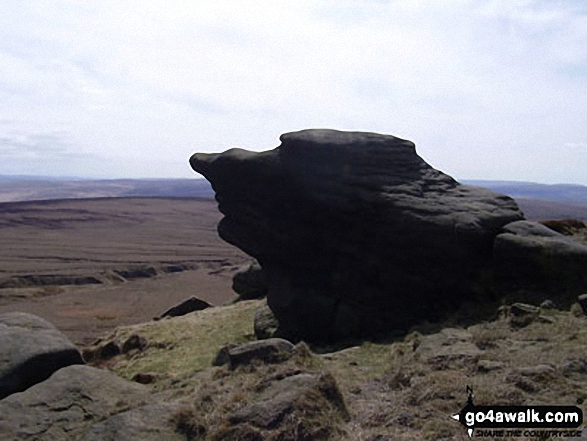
column 33, row 145
column 576, row 145
column 486, row 89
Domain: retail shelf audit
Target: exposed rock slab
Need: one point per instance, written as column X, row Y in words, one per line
column 447, row 347
column 534, row 263
column 356, row 233
column 147, row 423
column 63, row 406
column 291, row 395
column 272, row 350
column 31, row 349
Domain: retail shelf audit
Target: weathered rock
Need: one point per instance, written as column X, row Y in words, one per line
column 523, row 309
column 151, row 422
column 356, row 233
column 522, row 314
column 137, row 273
column 223, row 356
column 534, row 263
column 265, row 323
column 103, row 350
column 63, row 406
column 134, row 342
column 273, row 350
column 250, row 282
column 489, row 365
column 144, row 377
column 302, row 393
column 582, row 299
column 574, row 366
column 537, row 372
column 451, row 346
column 31, row 349
column 190, row 305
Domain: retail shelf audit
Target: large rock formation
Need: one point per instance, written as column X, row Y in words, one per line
column 356, row 233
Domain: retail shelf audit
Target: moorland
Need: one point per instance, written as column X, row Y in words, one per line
column 57, row 236
column 102, row 268
column 88, row 265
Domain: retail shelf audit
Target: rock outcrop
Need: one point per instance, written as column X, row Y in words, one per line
column 534, row 263
column 355, row 232
column 31, row 349
column 273, row 350
column 250, row 282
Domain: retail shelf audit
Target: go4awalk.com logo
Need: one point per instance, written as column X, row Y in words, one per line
column 511, row 421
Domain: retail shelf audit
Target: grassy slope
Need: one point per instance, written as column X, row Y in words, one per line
column 402, row 388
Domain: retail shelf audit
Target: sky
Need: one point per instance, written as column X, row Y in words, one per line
column 131, row 89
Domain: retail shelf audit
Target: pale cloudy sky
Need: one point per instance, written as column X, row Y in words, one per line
column 110, row 88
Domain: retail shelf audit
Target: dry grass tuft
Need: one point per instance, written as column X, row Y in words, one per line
column 187, row 423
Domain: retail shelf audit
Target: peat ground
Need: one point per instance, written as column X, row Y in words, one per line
column 89, row 265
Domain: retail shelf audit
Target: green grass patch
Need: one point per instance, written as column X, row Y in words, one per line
column 181, row 346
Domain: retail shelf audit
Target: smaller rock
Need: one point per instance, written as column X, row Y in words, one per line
column 576, row 310
column 489, row 365
column 265, row 323
column 303, row 393
column 448, row 347
column 522, row 314
column 583, row 302
column 574, row 366
column 190, row 305
column 223, row 356
column 273, row 350
column 547, row 304
column 522, row 382
column 545, row 319
column 250, row 282
column 538, row 372
column 104, row 350
column 533, row 263
column 144, row 377
column 523, row 309
column 135, row 341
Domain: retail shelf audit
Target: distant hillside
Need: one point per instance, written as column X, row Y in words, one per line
column 536, row 209
column 537, row 201
column 575, row 194
column 14, row 189
column 542, row 201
